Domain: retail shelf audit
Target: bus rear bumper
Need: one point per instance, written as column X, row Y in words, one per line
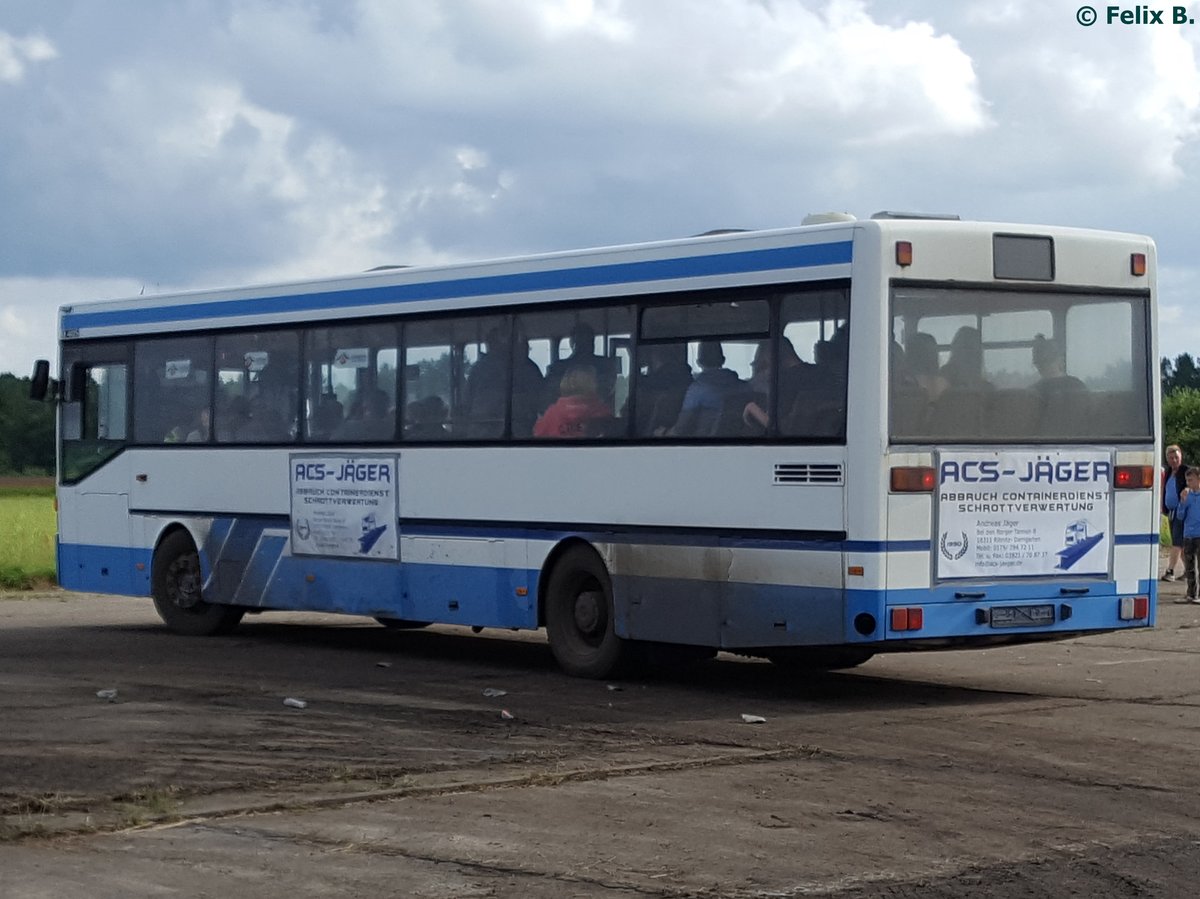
column 1004, row 619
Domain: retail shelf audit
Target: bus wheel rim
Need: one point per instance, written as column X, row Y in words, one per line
column 589, row 615
column 185, row 584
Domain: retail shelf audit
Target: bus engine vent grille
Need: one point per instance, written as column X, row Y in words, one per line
column 808, row 473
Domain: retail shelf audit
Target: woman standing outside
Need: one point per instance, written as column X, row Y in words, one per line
column 1173, row 469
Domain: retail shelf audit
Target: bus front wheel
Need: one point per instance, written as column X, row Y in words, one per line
column 176, row 588
column 579, row 617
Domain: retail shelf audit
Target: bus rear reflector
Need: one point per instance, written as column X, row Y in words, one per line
column 912, row 479
column 1134, row 477
column 1137, row 264
column 1134, row 608
column 908, row 619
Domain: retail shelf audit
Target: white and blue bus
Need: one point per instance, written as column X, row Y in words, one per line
column 811, row 444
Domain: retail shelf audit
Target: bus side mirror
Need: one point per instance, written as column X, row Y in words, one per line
column 41, row 385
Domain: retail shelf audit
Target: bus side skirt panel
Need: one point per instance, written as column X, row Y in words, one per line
column 119, row 570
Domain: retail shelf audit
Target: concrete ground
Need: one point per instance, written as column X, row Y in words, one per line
column 1062, row 769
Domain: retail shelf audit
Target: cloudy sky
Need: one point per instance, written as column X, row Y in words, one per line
column 174, row 144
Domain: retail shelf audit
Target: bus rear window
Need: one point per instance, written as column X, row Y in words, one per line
column 971, row 365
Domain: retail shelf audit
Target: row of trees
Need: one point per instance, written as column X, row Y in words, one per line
column 27, row 428
column 1181, row 405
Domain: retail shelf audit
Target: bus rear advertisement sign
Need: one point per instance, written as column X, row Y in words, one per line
column 1023, row 513
column 344, row 506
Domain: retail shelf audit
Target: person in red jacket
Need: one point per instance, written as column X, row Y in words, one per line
column 578, row 404
column 1174, row 469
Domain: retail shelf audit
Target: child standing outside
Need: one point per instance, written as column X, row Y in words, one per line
column 1185, row 504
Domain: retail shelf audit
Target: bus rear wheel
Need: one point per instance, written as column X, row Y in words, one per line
column 177, row 595
column 579, row 617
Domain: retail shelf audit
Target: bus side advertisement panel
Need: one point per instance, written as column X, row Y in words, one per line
column 344, row 505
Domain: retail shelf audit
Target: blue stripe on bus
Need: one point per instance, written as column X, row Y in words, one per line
column 599, row 533
column 887, row 546
column 805, row 256
column 1136, row 539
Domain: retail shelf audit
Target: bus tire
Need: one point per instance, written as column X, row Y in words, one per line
column 819, row 658
column 401, row 624
column 579, row 617
column 176, row 587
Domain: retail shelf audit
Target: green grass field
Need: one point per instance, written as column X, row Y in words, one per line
column 26, row 537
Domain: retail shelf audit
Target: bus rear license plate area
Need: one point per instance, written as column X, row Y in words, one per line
column 1021, row 616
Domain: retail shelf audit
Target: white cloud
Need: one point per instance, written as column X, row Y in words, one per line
column 1168, row 110
column 1178, row 320
column 209, row 144
column 904, row 81
column 17, row 53
column 714, row 66
column 565, row 16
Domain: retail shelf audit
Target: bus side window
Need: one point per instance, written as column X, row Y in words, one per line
column 812, row 401
column 572, row 351
column 704, row 368
column 485, row 346
column 258, row 377
column 172, row 392
column 350, row 383
column 427, row 382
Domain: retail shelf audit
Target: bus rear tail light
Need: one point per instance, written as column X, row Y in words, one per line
column 908, row 619
column 904, row 253
column 1137, row 264
column 1133, row 477
column 1134, row 608
column 913, row 479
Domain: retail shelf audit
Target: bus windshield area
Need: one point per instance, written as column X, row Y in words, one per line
column 1006, row 366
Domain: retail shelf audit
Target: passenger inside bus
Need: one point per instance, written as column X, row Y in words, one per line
column 425, row 419
column 660, row 391
column 916, row 383
column 201, row 427
column 961, row 409
column 369, row 418
column 794, row 375
column 819, row 407
column 1059, row 394
column 528, row 386
column 487, row 389
column 964, row 368
column 700, row 415
column 265, row 423
column 921, row 356
column 327, row 417
column 578, row 412
column 583, row 355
